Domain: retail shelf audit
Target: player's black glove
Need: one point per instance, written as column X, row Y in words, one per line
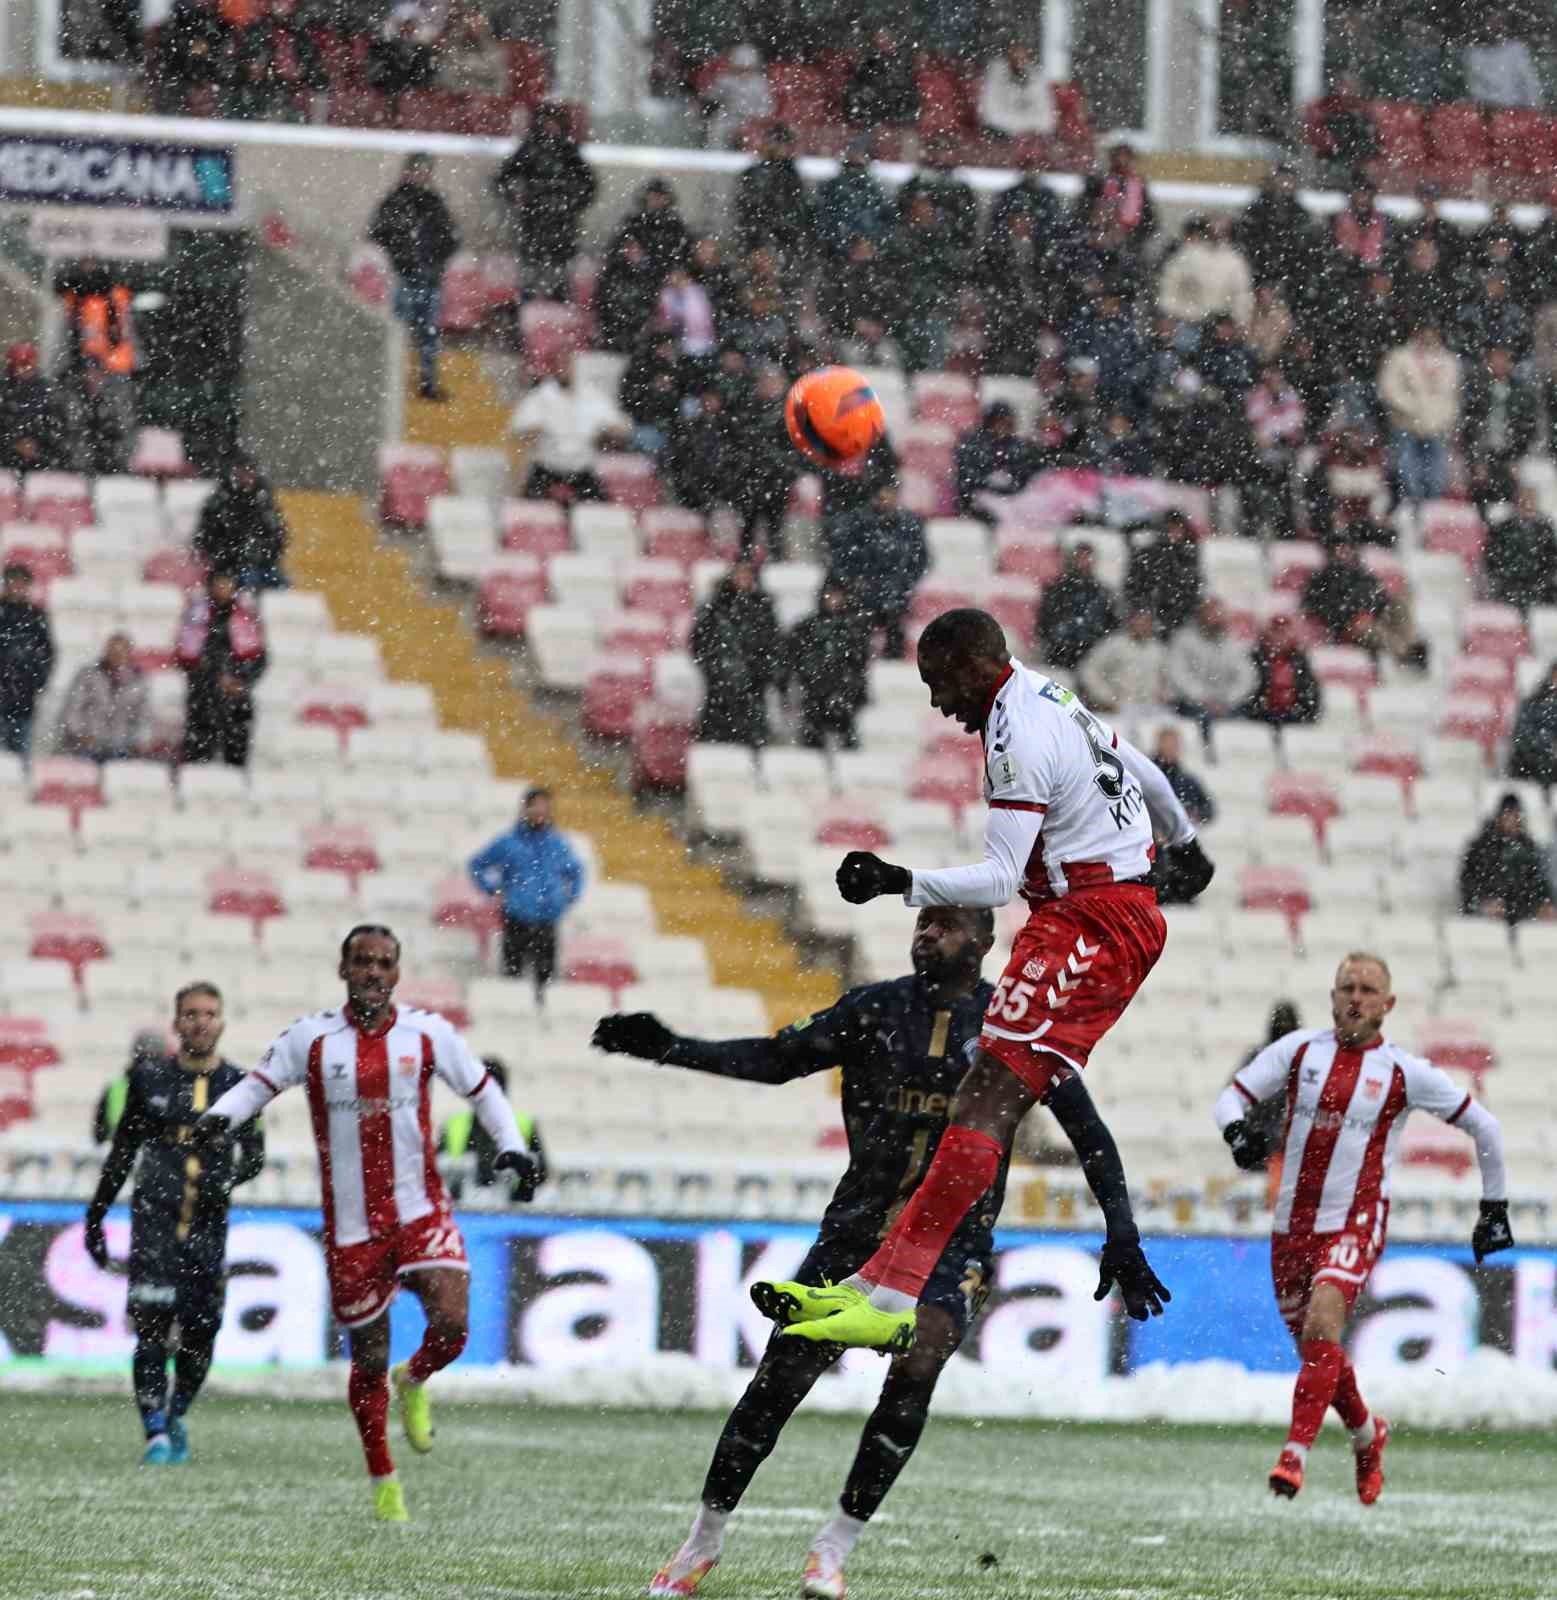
column 864, row 875
column 527, row 1174
column 1123, row 1263
column 634, row 1033
column 97, row 1244
column 1492, row 1230
column 210, row 1132
column 1247, row 1144
column 1189, row 867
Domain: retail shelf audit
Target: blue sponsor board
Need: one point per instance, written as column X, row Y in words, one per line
column 127, row 174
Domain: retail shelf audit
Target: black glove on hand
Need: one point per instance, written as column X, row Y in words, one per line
column 1247, row 1145
column 97, row 1245
column 864, row 875
column 210, row 1132
column 1492, row 1230
column 634, row 1033
column 1191, row 867
column 526, row 1173
column 1124, row 1263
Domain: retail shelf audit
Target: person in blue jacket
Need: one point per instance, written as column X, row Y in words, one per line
column 534, row 870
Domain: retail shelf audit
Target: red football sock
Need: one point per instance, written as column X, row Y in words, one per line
column 368, row 1396
column 965, row 1165
column 434, row 1353
column 1314, row 1389
column 1348, row 1402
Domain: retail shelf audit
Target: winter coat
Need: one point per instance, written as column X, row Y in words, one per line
column 1308, row 696
column 240, row 529
column 1520, row 561
column 1203, row 671
column 1520, row 417
column 414, row 228
column 1073, row 614
column 1165, row 578
column 852, row 291
column 1122, row 671
column 1278, row 238
column 216, row 640
column 704, row 459
column 548, row 185
column 735, row 643
column 954, row 202
column 26, row 656
column 29, row 409
column 1012, row 105
column 1120, row 350
column 878, row 558
column 663, row 235
column 103, row 715
column 1203, row 278
column 1506, row 867
column 650, row 390
column 625, row 298
column 1337, row 594
column 772, row 206
column 987, row 463
column 1191, row 793
column 828, row 659
column 1421, row 388
column 925, row 268
column 882, row 89
column 851, row 205
column 533, row 869
column 1532, row 753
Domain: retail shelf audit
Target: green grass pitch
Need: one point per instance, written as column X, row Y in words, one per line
column 521, row 1502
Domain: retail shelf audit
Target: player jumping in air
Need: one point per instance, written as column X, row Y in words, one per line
column 368, row 1071
column 900, row 1045
column 1349, row 1090
column 1071, row 813
column 178, row 1216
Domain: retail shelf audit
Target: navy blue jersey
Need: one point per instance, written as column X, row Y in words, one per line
column 902, row 1054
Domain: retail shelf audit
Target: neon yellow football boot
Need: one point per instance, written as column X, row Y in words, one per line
column 787, row 1303
column 389, row 1501
column 415, row 1409
column 856, row 1322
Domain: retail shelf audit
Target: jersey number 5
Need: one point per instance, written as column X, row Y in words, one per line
column 1110, row 775
column 1012, row 999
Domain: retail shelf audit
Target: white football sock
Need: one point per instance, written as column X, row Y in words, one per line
column 882, row 1298
column 707, row 1535
column 1362, row 1435
column 838, row 1533
column 1299, row 1450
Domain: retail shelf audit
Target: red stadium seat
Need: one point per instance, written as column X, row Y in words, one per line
column 1283, row 889
column 805, row 97
column 529, row 72
column 174, row 565
column 919, row 494
column 370, row 275
column 44, row 562
column 644, row 634
column 159, row 453
column 805, row 499
column 444, row 996
column 239, row 892
column 661, row 742
column 1401, row 130
column 1427, row 1142
column 1490, row 629
column 458, row 903
column 409, row 476
column 1345, row 666
column 1386, row 566
column 947, row 780
column 552, row 334
column 58, row 500
column 1388, row 757
column 928, row 447
column 1295, row 564
column 1458, row 1044
column 25, row 1044
column 945, row 101
column 10, row 498
column 613, row 690
column 1455, row 527
column 656, row 587
column 465, row 295
column 358, row 108
column 1521, row 144
column 1491, row 676
column 1073, row 140
column 630, row 480
column 931, row 599
column 671, row 533
column 852, row 827
column 1030, row 555
column 1458, row 148
column 336, row 709
column 341, row 848
column 65, row 781
column 504, row 597
column 1304, row 794
column 535, row 528
column 486, row 116
column 1474, row 717
column 60, row 936
column 607, row 961
column 1013, row 603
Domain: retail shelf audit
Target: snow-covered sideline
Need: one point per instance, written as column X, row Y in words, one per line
column 1490, row 1390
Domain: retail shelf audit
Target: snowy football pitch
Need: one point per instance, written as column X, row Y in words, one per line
column 524, row 1501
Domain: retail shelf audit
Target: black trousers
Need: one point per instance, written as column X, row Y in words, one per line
column 532, row 945
column 217, row 727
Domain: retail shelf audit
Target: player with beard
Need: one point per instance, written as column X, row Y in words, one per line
column 901, row 1046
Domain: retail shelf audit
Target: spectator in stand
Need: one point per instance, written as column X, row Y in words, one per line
column 1105, row 330
column 1430, row 223
column 545, row 186
column 1422, row 285
column 1032, row 197
column 856, row 300
column 241, row 529
column 1277, row 235
column 1499, row 68
column 993, row 458
column 878, row 552
column 100, row 330
column 1192, row 794
column 1285, row 688
column 1121, row 192
column 1124, row 451
column 1369, row 328
column 1210, row 674
column 704, row 455
column 1277, row 424
column 851, row 204
column 1075, row 611
column 1014, row 100
column 828, row 658
column 1125, row 674
column 106, row 707
column 192, row 56
column 882, row 91
column 657, row 225
column 1217, row 443
column 147, row 1045
column 1077, row 423
column 1353, row 607
column 32, row 425
column 1013, row 274
column 402, row 57
column 26, row 658
column 556, row 429
column 953, row 199
column 464, row 1130
column 1498, row 427
column 736, row 645
column 651, row 391
column 685, row 310
column 536, row 875
column 1532, row 752
column 414, row 228
column 221, row 649
column 737, row 94
column 626, row 294
column 1164, row 576
column 1271, row 324
column 1419, row 384
column 1489, row 316
column 1348, row 137
column 1520, row 557
column 1504, row 872
column 1346, row 488
column 772, row 205
column 96, row 436
column 769, row 464
column 471, row 59
column 925, row 267
column 1360, row 229
column 1207, row 275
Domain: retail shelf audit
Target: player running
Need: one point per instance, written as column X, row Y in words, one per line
column 178, row 1215
column 368, row 1070
column 1349, row 1091
column 1071, row 812
column 900, row 1045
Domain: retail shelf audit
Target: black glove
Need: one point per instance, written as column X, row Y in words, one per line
column 210, row 1132
column 864, row 875
column 1124, row 1263
column 1189, row 866
column 1492, row 1230
column 1247, row 1144
column 634, row 1033
column 527, row 1174
column 96, row 1244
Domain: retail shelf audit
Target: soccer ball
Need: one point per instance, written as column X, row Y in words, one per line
column 833, row 416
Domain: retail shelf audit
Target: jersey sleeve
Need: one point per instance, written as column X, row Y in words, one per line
column 454, row 1062
column 283, row 1066
column 1431, row 1089
column 1264, row 1076
column 1020, row 763
column 1169, row 818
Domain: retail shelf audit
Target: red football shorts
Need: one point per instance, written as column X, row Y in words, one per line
column 365, row 1277
column 1299, row 1262
column 1073, row 969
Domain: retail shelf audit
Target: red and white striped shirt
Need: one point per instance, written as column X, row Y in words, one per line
column 369, row 1096
column 1346, row 1110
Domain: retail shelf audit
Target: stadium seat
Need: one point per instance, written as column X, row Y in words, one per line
column 551, row 334
column 631, row 481
column 613, row 688
column 410, row 476
column 673, row 534
column 509, row 588
column 1490, row 629
column 605, row 532
column 563, row 638
column 534, row 527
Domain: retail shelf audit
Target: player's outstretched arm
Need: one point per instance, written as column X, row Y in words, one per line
column 1123, row 1262
column 1192, row 867
column 128, row 1138
column 1010, row 833
column 791, row 1053
column 1493, row 1231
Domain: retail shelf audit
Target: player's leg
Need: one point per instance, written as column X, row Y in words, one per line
column 202, row 1296
column 367, row 1393
column 151, row 1309
column 784, row 1377
column 445, row 1295
column 514, row 947
column 888, row 1441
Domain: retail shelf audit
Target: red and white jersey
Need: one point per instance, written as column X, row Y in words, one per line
column 369, row 1096
column 1045, row 752
column 1346, row 1110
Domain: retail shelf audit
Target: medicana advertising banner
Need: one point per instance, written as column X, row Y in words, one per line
column 555, row 1293
column 127, row 174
